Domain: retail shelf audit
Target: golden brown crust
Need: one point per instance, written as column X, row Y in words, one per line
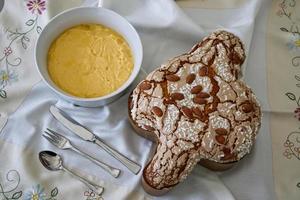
column 195, row 108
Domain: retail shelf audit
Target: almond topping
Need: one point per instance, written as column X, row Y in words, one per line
column 156, row 110
column 203, row 71
column 198, row 100
column 145, row 86
column 203, row 95
column 247, row 107
column 221, row 131
column 197, row 111
column 172, row 77
column 187, row 112
column 196, row 89
column 226, row 150
column 149, row 128
column 190, row 78
column 177, row 96
column 229, row 156
column 220, row 139
column 169, row 101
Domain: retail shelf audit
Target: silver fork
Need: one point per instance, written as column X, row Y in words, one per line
column 63, row 143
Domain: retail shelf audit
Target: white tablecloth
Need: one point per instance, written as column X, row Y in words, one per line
column 166, row 30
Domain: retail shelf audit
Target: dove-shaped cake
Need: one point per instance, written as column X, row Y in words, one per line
column 197, row 110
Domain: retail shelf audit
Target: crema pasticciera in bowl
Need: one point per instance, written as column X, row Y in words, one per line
column 89, row 60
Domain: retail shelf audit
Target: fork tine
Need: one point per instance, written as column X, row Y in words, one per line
column 59, row 136
column 52, row 141
column 55, row 135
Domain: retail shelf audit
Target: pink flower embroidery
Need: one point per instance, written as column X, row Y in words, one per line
column 36, row 6
column 7, row 51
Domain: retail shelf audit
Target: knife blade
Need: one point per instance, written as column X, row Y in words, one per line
column 87, row 135
column 71, row 124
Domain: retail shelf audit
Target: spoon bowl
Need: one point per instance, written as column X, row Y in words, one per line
column 54, row 162
column 50, row 160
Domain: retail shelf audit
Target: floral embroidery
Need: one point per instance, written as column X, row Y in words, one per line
column 292, row 145
column 12, row 191
column 286, row 8
column 8, row 60
column 294, row 42
column 36, row 6
column 90, row 195
column 37, row 193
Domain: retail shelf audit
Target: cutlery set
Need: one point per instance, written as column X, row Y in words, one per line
column 53, row 161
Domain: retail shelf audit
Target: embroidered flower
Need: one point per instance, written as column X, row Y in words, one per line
column 36, row 6
column 7, row 77
column 287, row 153
column 288, row 143
column 297, row 113
column 294, row 42
column 90, row 195
column 7, row 51
column 297, row 150
column 37, row 193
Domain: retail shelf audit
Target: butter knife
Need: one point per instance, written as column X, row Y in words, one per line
column 87, row 135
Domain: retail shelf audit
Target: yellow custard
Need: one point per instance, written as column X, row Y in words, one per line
column 89, row 60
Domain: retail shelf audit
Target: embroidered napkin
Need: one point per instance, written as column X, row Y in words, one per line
column 166, row 30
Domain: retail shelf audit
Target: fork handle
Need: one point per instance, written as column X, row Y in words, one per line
column 132, row 166
column 111, row 170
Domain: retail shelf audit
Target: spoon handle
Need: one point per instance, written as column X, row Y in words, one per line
column 97, row 189
column 111, row 170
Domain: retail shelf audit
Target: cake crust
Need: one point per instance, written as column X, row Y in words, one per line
column 195, row 108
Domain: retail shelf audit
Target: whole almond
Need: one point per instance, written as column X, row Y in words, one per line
column 145, row 85
column 197, row 111
column 198, row 100
column 226, row 150
column 149, row 128
column 220, row 139
column 187, row 112
column 177, row 96
column 203, row 95
column 196, row 89
column 172, row 77
column 156, row 110
column 203, row 71
column 247, row 107
column 221, row 131
column 169, row 101
column 228, row 156
column 190, row 78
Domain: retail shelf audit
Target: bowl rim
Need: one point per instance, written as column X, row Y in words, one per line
column 122, row 88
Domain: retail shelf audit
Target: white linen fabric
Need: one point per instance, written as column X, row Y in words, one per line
column 166, row 30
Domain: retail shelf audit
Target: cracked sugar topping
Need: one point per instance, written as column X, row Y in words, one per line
column 197, row 108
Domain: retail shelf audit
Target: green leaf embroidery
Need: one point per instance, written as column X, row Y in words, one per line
column 24, row 45
column 291, row 96
column 284, row 29
column 26, row 38
column 3, row 94
column 17, row 195
column 54, row 192
column 29, row 22
column 38, row 29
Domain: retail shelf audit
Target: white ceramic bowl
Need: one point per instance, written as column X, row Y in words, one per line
column 83, row 15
